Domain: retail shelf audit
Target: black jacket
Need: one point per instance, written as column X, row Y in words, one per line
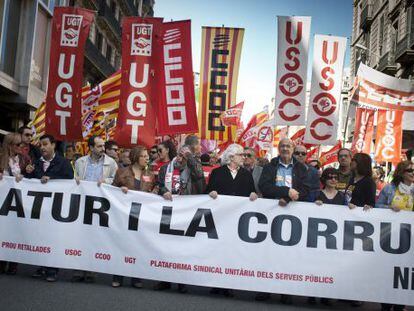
column 60, row 168
column 267, row 182
column 222, row 182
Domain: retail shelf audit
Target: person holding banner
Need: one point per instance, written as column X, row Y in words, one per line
column 50, row 166
column 96, row 167
column 12, row 163
column 136, row 177
column 285, row 179
column 361, row 188
column 182, row 176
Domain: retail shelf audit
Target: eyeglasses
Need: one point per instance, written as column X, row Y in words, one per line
column 114, row 149
column 153, row 151
column 159, row 150
column 300, row 153
column 409, row 170
column 28, row 135
column 332, row 177
column 249, row 155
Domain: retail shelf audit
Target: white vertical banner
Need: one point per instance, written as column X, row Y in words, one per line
column 292, row 64
column 325, row 96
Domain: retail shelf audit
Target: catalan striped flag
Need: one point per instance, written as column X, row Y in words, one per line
column 220, row 59
column 99, row 109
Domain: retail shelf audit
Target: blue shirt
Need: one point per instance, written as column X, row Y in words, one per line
column 94, row 170
column 284, row 175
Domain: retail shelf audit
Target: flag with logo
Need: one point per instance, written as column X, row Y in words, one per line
column 330, row 156
column 388, row 141
column 220, row 59
column 232, row 115
column 364, row 130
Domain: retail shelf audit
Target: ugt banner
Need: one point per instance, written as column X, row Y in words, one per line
column 292, row 63
column 364, row 130
column 141, row 52
column 70, row 29
column 176, row 102
column 389, row 136
column 325, row 96
column 229, row 242
column 220, row 59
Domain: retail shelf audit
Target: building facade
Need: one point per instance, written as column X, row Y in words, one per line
column 383, row 38
column 25, row 32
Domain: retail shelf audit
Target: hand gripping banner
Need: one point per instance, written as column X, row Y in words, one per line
column 325, row 96
column 70, row 29
column 176, row 102
column 140, row 64
column 292, row 63
column 229, row 242
column 364, row 130
column 220, row 59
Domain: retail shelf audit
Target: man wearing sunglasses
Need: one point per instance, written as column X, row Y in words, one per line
column 344, row 170
column 250, row 164
column 153, row 154
column 27, row 148
column 300, row 153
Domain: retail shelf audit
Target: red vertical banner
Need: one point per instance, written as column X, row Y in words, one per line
column 140, row 66
column 177, row 112
column 389, row 136
column 364, row 130
column 70, row 29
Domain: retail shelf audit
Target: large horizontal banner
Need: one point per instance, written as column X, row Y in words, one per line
column 378, row 90
column 230, row 242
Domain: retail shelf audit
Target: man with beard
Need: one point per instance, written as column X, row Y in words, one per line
column 97, row 167
column 344, row 170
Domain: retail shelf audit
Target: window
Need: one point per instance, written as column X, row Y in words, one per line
column 99, row 40
column 41, row 49
column 109, row 53
column 381, row 36
column 10, row 36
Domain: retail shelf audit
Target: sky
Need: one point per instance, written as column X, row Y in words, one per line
column 257, row 73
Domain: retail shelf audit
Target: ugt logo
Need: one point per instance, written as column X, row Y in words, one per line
column 71, row 25
column 141, row 41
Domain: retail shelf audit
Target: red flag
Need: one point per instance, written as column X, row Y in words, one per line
column 364, row 129
column 70, row 30
column 330, row 156
column 312, row 154
column 298, row 137
column 140, row 54
column 176, row 102
column 389, row 136
column 232, row 115
column 279, row 135
column 255, row 120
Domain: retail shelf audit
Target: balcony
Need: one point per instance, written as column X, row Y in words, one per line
column 387, row 63
column 107, row 18
column 97, row 59
column 403, row 52
column 366, row 17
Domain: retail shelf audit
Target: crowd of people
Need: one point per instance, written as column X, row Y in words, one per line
column 166, row 171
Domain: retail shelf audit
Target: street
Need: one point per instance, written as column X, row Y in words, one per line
column 23, row 293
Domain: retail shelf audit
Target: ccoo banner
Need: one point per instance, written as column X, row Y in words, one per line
column 70, row 29
column 292, row 64
column 389, row 136
column 176, row 101
column 220, row 59
column 140, row 63
column 325, row 94
column 229, row 242
column 364, row 130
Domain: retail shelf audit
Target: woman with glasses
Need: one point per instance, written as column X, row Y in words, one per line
column 329, row 194
column 397, row 196
column 12, row 163
column 166, row 152
column 136, row 177
column 361, row 189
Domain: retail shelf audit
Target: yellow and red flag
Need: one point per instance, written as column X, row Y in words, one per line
column 220, row 59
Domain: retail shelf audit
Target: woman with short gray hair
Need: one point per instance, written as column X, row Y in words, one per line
column 231, row 178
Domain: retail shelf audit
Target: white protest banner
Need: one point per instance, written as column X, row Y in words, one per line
column 325, row 95
column 292, row 64
column 303, row 249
